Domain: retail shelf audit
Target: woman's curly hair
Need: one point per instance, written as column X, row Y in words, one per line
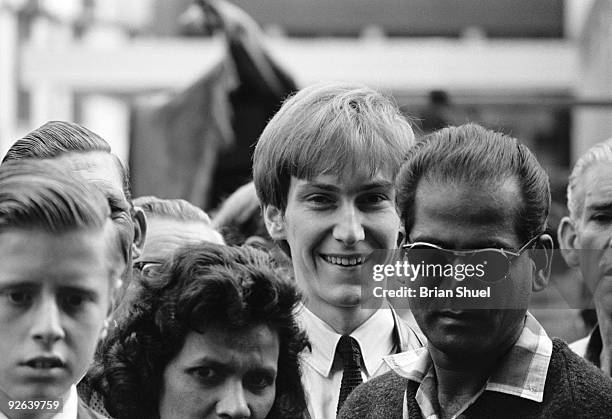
column 202, row 285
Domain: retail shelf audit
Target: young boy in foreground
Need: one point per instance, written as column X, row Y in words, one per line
column 60, row 266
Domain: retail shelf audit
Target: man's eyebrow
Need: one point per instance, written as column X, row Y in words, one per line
column 78, row 288
column 264, row 370
column 319, row 185
column 383, row 184
column 117, row 203
column 18, row 284
column 600, row 206
column 484, row 244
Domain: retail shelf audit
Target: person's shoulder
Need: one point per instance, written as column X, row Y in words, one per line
column 590, row 386
column 382, row 396
column 385, row 383
column 575, row 363
column 86, row 412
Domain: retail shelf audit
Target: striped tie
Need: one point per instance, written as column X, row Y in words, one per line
column 350, row 353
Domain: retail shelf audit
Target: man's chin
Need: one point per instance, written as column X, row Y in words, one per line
column 39, row 391
column 348, row 302
column 347, row 297
column 458, row 347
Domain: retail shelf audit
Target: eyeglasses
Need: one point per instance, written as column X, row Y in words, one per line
column 147, row 267
column 494, row 263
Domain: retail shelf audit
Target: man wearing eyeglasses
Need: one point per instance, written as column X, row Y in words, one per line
column 171, row 224
column 471, row 195
column 586, row 243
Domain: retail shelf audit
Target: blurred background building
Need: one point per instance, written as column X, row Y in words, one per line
column 138, row 73
column 539, row 69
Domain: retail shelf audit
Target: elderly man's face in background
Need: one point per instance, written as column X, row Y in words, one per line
column 165, row 235
column 102, row 170
column 589, row 236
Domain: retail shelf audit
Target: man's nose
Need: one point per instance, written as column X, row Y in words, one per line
column 349, row 226
column 46, row 324
column 232, row 403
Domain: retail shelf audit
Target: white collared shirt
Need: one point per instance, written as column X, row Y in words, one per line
column 70, row 408
column 321, row 376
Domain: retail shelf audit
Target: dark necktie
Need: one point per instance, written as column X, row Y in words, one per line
column 350, row 353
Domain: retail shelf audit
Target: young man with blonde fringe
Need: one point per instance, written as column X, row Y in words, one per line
column 324, row 169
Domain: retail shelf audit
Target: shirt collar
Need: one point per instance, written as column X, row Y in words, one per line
column 521, row 372
column 70, row 405
column 375, row 338
column 323, row 340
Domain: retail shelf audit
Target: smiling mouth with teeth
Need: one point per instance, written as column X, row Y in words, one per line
column 344, row 261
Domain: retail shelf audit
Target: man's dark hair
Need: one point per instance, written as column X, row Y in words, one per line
column 56, row 138
column 201, row 286
column 474, row 155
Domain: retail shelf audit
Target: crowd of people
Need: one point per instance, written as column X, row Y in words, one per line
column 114, row 307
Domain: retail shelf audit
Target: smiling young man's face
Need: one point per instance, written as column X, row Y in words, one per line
column 332, row 226
column 55, row 293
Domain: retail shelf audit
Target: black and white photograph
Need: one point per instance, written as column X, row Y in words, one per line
column 315, row 209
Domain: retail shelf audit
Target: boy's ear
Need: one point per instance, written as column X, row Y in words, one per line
column 140, row 231
column 568, row 242
column 275, row 222
column 542, row 262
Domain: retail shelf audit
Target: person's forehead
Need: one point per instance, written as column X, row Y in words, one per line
column 355, row 183
column 165, row 235
column 96, row 166
column 255, row 344
column 466, row 215
column 76, row 256
column 595, row 186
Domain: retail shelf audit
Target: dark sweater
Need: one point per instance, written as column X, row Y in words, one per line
column 574, row 389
